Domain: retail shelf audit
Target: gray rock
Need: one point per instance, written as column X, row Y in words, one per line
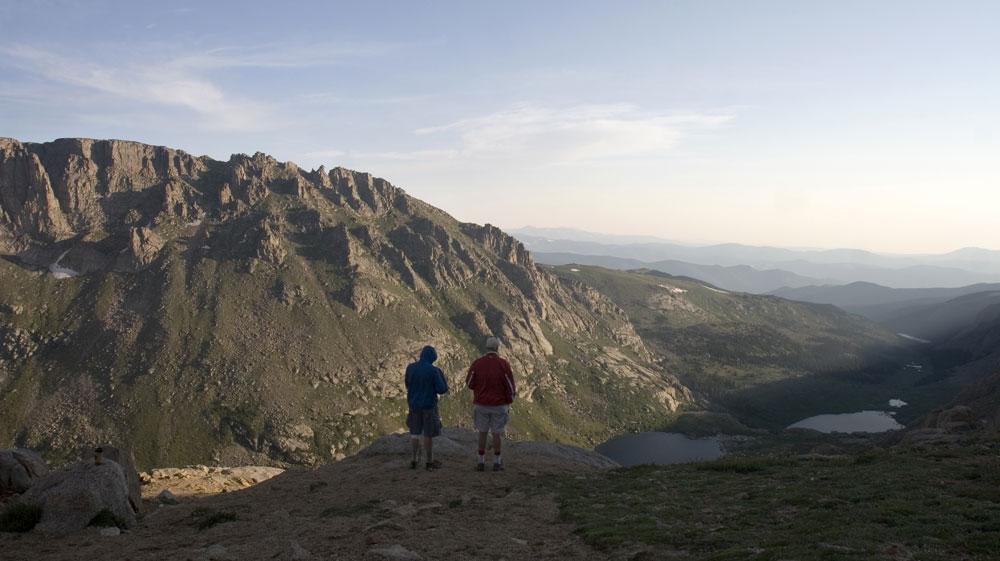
column 461, row 443
column 298, row 553
column 124, row 458
column 167, row 498
column 72, row 497
column 406, row 510
column 110, row 532
column 386, row 525
column 396, row 444
column 216, row 552
column 395, row 551
column 562, row 453
column 19, row 469
column 955, row 419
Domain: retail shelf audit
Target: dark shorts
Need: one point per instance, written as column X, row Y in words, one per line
column 424, row 422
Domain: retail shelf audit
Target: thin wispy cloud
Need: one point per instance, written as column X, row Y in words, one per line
column 158, row 84
column 573, row 134
column 403, row 156
column 276, row 55
column 538, row 136
column 183, row 79
column 530, row 135
column 338, row 98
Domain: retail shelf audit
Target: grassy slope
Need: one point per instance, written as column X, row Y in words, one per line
column 896, row 504
column 772, row 361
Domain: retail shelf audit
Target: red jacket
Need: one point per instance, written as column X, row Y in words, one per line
column 491, row 381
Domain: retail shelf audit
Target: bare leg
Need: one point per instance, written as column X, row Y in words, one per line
column 415, row 442
column 496, row 443
column 429, row 445
column 482, row 442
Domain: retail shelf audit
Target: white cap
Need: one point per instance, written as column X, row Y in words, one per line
column 492, row 343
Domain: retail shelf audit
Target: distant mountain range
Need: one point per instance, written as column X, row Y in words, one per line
column 834, row 266
column 859, row 296
column 737, row 278
column 934, row 314
column 972, row 355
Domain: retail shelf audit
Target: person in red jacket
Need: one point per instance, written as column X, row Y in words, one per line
column 492, row 383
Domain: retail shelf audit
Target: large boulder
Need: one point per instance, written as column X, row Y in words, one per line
column 449, row 444
column 461, row 444
column 125, row 459
column 942, row 427
column 70, row 499
column 19, row 469
column 955, row 419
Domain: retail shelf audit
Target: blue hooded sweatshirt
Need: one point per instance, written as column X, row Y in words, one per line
column 424, row 381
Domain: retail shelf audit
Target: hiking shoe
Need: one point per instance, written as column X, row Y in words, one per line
column 480, row 466
column 436, row 464
column 497, row 467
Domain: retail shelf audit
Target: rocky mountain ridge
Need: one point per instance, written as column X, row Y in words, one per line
column 256, row 312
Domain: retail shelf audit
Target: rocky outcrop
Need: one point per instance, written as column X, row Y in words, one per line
column 70, row 499
column 28, row 205
column 270, row 247
column 498, row 242
column 365, row 194
column 294, row 443
column 94, row 180
column 143, row 246
column 20, row 469
column 89, row 189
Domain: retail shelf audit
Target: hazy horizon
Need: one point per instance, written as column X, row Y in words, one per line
column 846, row 125
column 703, row 242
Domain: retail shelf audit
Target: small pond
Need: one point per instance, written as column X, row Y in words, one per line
column 660, row 448
column 862, row 421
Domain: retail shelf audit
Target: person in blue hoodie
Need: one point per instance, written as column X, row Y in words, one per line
column 424, row 383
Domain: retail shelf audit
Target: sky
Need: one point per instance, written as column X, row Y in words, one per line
column 867, row 124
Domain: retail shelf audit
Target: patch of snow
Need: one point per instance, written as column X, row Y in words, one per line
column 897, row 403
column 574, row 270
column 194, row 223
column 60, row 272
column 912, row 338
column 672, row 289
column 715, row 289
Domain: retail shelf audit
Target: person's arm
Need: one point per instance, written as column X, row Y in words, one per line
column 440, row 382
column 407, row 378
column 509, row 386
column 470, row 376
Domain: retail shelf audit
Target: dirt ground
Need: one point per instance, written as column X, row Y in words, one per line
column 368, row 507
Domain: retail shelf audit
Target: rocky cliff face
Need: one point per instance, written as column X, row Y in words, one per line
column 255, row 311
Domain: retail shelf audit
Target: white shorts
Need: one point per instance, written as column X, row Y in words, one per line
column 490, row 418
